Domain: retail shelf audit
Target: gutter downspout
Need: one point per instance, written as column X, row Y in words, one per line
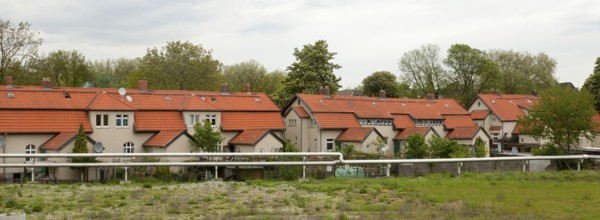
column 320, row 140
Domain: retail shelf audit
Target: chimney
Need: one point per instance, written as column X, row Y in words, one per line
column 324, row 91
column 46, row 84
column 248, row 88
column 143, row 85
column 9, row 81
column 224, row 88
column 534, row 93
column 430, row 96
column 382, row 94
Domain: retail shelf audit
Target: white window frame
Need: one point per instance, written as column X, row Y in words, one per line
column 495, row 138
column 122, row 121
column 103, row 122
column 128, row 147
column 30, row 149
column 194, row 118
column 212, row 118
column 494, row 120
column 330, row 141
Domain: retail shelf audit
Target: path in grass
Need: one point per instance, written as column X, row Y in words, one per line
column 563, row 195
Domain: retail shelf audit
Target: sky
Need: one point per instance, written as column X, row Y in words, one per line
column 367, row 36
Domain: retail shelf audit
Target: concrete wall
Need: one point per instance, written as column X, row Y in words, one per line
column 16, row 143
column 322, row 147
column 268, row 144
column 190, row 127
column 114, row 138
column 293, row 131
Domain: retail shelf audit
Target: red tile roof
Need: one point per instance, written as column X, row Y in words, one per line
column 596, row 122
column 10, row 99
column 453, row 121
column 373, row 107
column 249, row 137
column 402, row 135
column 403, row 121
column 508, row 106
column 355, row 134
column 198, row 103
column 301, row 112
column 58, row 141
column 107, row 101
column 336, row 120
column 145, row 101
column 159, row 121
column 237, row 121
column 479, row 114
column 162, row 138
column 517, row 129
column 462, row 133
column 43, row 121
column 495, row 128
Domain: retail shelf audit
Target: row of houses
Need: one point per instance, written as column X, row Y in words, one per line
column 45, row 119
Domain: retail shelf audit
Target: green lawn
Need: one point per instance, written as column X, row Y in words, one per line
column 555, row 195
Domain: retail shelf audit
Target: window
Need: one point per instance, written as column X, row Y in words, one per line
column 329, row 144
column 122, row 121
column 292, row 122
column 494, row 120
column 194, row 119
column 30, row 149
column 128, row 148
column 495, row 138
column 212, row 119
column 101, row 120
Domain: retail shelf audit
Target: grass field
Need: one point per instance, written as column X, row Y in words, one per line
column 558, row 195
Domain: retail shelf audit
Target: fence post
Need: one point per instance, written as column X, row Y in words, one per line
column 579, row 164
column 304, row 169
column 458, row 166
column 216, row 172
column 387, row 170
column 525, row 163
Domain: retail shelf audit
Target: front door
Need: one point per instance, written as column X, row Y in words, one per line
column 397, row 149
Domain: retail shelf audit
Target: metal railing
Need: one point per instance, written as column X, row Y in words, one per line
column 221, row 163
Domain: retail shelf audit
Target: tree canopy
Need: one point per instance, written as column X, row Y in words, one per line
column 65, row 68
column 205, row 139
column 592, row 85
column 18, row 44
column 312, row 69
column 521, row 72
column 562, row 116
column 470, row 72
column 381, row 80
column 181, row 65
column 253, row 73
column 422, row 70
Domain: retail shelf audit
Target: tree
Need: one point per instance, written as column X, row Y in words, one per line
column 347, row 150
column 66, row 68
column 592, row 85
column 381, row 80
column 422, row 70
column 470, row 72
column 311, row 70
column 205, row 138
column 113, row 73
column 441, row 147
column 18, row 44
column 415, row 147
column 181, row 65
column 480, row 149
column 522, row 73
column 253, row 73
column 80, row 147
column 562, row 116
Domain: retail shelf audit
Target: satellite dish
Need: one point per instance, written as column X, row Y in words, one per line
column 515, row 150
column 98, row 147
column 129, row 99
column 122, row 91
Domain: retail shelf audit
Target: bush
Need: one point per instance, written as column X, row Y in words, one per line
column 37, row 207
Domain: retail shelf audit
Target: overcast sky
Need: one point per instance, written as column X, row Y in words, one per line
column 368, row 36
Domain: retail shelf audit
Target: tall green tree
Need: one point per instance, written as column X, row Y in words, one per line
column 422, row 69
column 253, row 73
column 562, row 116
column 312, row 69
column 381, row 80
column 80, row 147
column 181, row 65
column 65, row 68
column 18, row 44
column 113, row 72
column 415, row 147
column 592, row 85
column 521, row 73
column 470, row 72
column 205, row 139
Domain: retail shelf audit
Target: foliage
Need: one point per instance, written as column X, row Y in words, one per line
column 205, row 139
column 18, row 44
column 289, row 172
column 181, row 65
column 80, row 147
column 441, row 147
column 460, row 151
column 522, row 73
column 562, row 116
column 347, row 150
column 253, row 73
column 381, row 80
column 480, row 148
column 114, row 73
column 415, row 147
column 311, row 70
column 65, row 68
column 422, row 70
column 549, row 149
column 470, row 72
column 592, row 85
